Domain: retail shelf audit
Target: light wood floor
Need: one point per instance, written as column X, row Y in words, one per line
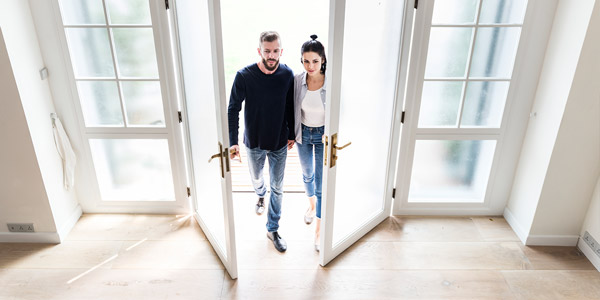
column 168, row 257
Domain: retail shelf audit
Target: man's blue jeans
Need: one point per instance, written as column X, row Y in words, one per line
column 311, row 160
column 256, row 163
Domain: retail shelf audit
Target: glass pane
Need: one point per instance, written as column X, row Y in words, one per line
column 502, row 11
column 136, row 56
column 77, row 12
column 439, row 103
column 366, row 112
column 100, row 103
column 90, row 52
column 451, row 170
column 448, row 52
column 133, row 169
column 484, row 103
column 143, row 103
column 494, row 54
column 454, row 12
column 192, row 18
column 128, row 12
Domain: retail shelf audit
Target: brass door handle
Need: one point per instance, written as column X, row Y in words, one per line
column 214, row 156
column 342, row 147
column 220, row 155
column 334, row 149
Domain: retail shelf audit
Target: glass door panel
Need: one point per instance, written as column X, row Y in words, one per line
column 201, row 58
column 361, row 103
column 451, row 170
column 133, row 169
column 460, row 94
column 118, row 61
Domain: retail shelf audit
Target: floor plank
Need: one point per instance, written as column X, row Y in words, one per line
column 168, row 257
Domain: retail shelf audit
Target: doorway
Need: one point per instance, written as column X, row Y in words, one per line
column 239, row 50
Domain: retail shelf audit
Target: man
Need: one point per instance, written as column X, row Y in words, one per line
column 267, row 87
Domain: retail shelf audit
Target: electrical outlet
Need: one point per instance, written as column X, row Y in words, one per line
column 589, row 239
column 20, row 227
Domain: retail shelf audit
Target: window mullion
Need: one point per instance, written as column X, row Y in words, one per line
column 469, row 62
column 114, row 60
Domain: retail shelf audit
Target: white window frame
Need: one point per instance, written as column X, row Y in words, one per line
column 509, row 136
column 92, row 202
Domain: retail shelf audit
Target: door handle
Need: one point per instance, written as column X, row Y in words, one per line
column 220, row 156
column 342, row 147
column 335, row 148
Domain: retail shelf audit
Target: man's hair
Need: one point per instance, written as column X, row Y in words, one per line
column 268, row 36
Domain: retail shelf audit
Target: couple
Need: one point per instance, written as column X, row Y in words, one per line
column 281, row 109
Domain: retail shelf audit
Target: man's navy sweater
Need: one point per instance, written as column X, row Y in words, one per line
column 269, row 110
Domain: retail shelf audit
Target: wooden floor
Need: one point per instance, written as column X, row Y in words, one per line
column 168, row 257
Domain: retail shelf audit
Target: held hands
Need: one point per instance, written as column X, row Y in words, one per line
column 290, row 144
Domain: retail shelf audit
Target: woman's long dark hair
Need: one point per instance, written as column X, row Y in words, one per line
column 315, row 46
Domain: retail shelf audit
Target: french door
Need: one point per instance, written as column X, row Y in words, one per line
column 117, row 56
column 459, row 93
column 362, row 78
column 200, row 49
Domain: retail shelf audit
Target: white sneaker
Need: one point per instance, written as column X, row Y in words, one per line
column 309, row 216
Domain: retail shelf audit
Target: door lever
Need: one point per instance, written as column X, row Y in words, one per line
column 342, row 147
column 220, row 156
column 334, row 149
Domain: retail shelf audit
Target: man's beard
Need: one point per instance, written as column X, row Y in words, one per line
column 270, row 68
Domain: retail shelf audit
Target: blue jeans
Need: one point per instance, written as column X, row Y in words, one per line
column 311, row 160
column 256, row 162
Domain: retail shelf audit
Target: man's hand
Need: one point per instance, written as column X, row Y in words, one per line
column 234, row 151
column 290, row 144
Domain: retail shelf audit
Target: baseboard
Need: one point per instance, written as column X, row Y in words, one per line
column 589, row 253
column 66, row 228
column 33, row 237
column 515, row 225
column 552, row 240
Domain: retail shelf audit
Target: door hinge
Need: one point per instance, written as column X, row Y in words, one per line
column 394, row 193
column 416, row 4
column 189, row 191
column 167, row 4
column 401, row 118
column 181, row 118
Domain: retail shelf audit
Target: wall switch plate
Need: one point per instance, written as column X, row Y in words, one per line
column 20, row 227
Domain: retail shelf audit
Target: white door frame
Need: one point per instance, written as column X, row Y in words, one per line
column 514, row 121
column 92, row 202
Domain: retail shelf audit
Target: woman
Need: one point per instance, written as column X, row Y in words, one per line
column 309, row 110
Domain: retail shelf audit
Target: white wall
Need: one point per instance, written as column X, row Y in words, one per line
column 22, row 194
column 575, row 162
column 558, row 133
column 45, row 18
column 36, row 100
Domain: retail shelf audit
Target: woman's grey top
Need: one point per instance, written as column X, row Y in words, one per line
column 300, row 88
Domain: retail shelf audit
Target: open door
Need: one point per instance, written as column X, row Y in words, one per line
column 198, row 26
column 362, row 111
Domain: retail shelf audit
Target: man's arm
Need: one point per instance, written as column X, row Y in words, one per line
column 238, row 94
